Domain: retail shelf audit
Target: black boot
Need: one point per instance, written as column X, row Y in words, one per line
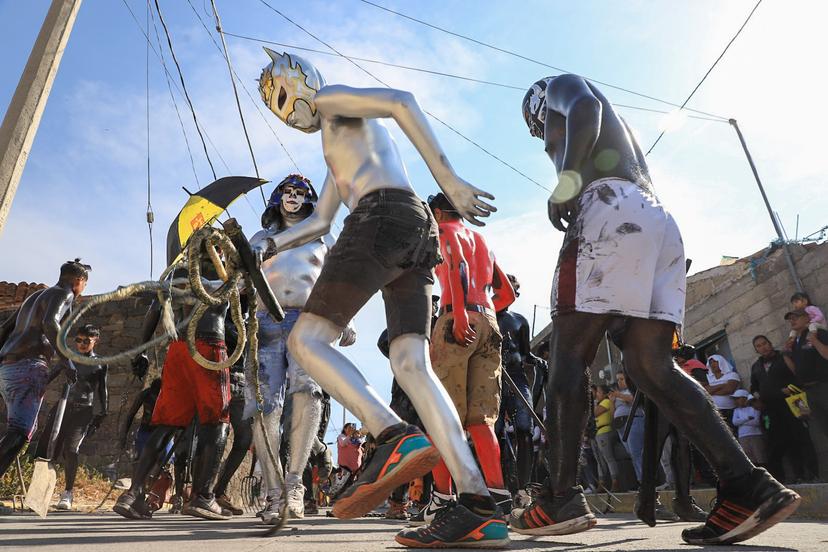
column 131, row 503
column 206, row 466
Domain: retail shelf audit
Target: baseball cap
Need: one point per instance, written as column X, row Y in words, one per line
column 741, row 393
column 796, row 312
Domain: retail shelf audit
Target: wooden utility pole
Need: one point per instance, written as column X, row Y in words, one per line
column 23, row 116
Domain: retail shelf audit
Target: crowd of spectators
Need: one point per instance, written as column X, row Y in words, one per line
column 780, row 416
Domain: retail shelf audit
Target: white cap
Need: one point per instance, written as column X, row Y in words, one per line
column 741, row 393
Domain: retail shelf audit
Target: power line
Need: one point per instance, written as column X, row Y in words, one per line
column 172, row 97
column 522, row 89
column 718, row 59
column 246, row 91
column 378, row 62
column 358, row 66
column 184, row 88
column 526, row 58
column 150, row 214
column 236, row 95
column 172, row 82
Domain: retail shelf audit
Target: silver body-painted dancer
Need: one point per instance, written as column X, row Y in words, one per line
column 291, row 275
column 362, row 158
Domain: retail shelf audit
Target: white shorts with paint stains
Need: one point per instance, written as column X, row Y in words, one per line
column 622, row 255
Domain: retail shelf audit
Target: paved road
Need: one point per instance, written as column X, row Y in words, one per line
column 70, row 532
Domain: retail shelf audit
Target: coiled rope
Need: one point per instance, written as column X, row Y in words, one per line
column 206, row 239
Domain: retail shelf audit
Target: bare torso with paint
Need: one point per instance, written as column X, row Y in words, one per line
column 362, row 158
column 616, row 153
column 292, row 272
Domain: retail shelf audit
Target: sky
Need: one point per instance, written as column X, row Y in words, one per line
column 84, row 189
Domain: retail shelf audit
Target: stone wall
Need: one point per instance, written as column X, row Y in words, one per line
column 751, row 297
column 120, row 325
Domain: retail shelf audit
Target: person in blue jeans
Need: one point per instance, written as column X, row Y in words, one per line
column 623, row 399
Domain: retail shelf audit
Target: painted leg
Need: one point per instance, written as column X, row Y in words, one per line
column 682, row 400
column 271, row 434
column 307, row 410
column 573, row 344
column 412, row 368
column 311, row 343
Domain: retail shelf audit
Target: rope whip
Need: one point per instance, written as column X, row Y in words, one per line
column 233, row 272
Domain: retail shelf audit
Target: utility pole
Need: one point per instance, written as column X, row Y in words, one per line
column 776, row 226
column 23, row 117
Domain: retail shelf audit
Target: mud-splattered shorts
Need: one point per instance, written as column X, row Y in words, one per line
column 389, row 243
column 622, row 255
column 22, row 386
column 471, row 375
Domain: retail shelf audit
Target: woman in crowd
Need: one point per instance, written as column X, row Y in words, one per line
column 722, row 382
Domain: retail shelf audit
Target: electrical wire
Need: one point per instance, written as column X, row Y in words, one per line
column 236, row 95
column 184, row 87
column 358, row 66
column 521, row 89
column 532, row 60
column 246, row 90
column 710, row 70
column 172, row 82
column 172, row 97
column 150, row 214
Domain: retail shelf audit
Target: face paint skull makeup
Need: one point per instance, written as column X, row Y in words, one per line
column 288, row 86
column 293, row 198
column 534, row 107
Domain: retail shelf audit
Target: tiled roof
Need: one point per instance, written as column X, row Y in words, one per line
column 11, row 295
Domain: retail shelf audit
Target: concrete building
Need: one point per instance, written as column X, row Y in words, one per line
column 730, row 304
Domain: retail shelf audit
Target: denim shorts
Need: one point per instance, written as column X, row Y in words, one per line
column 22, row 386
column 388, row 243
column 278, row 370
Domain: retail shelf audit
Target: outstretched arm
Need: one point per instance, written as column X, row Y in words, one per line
column 376, row 103
column 570, row 96
column 268, row 243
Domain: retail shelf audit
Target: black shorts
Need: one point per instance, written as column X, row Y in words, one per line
column 73, row 429
column 389, row 243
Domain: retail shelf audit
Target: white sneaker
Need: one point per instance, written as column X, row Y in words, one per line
column 272, row 514
column 438, row 502
column 65, row 502
column 296, row 501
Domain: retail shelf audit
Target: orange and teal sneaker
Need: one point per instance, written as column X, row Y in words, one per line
column 403, row 453
column 550, row 514
column 456, row 526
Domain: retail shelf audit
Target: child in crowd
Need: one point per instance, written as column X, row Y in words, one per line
column 801, row 301
column 748, row 420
